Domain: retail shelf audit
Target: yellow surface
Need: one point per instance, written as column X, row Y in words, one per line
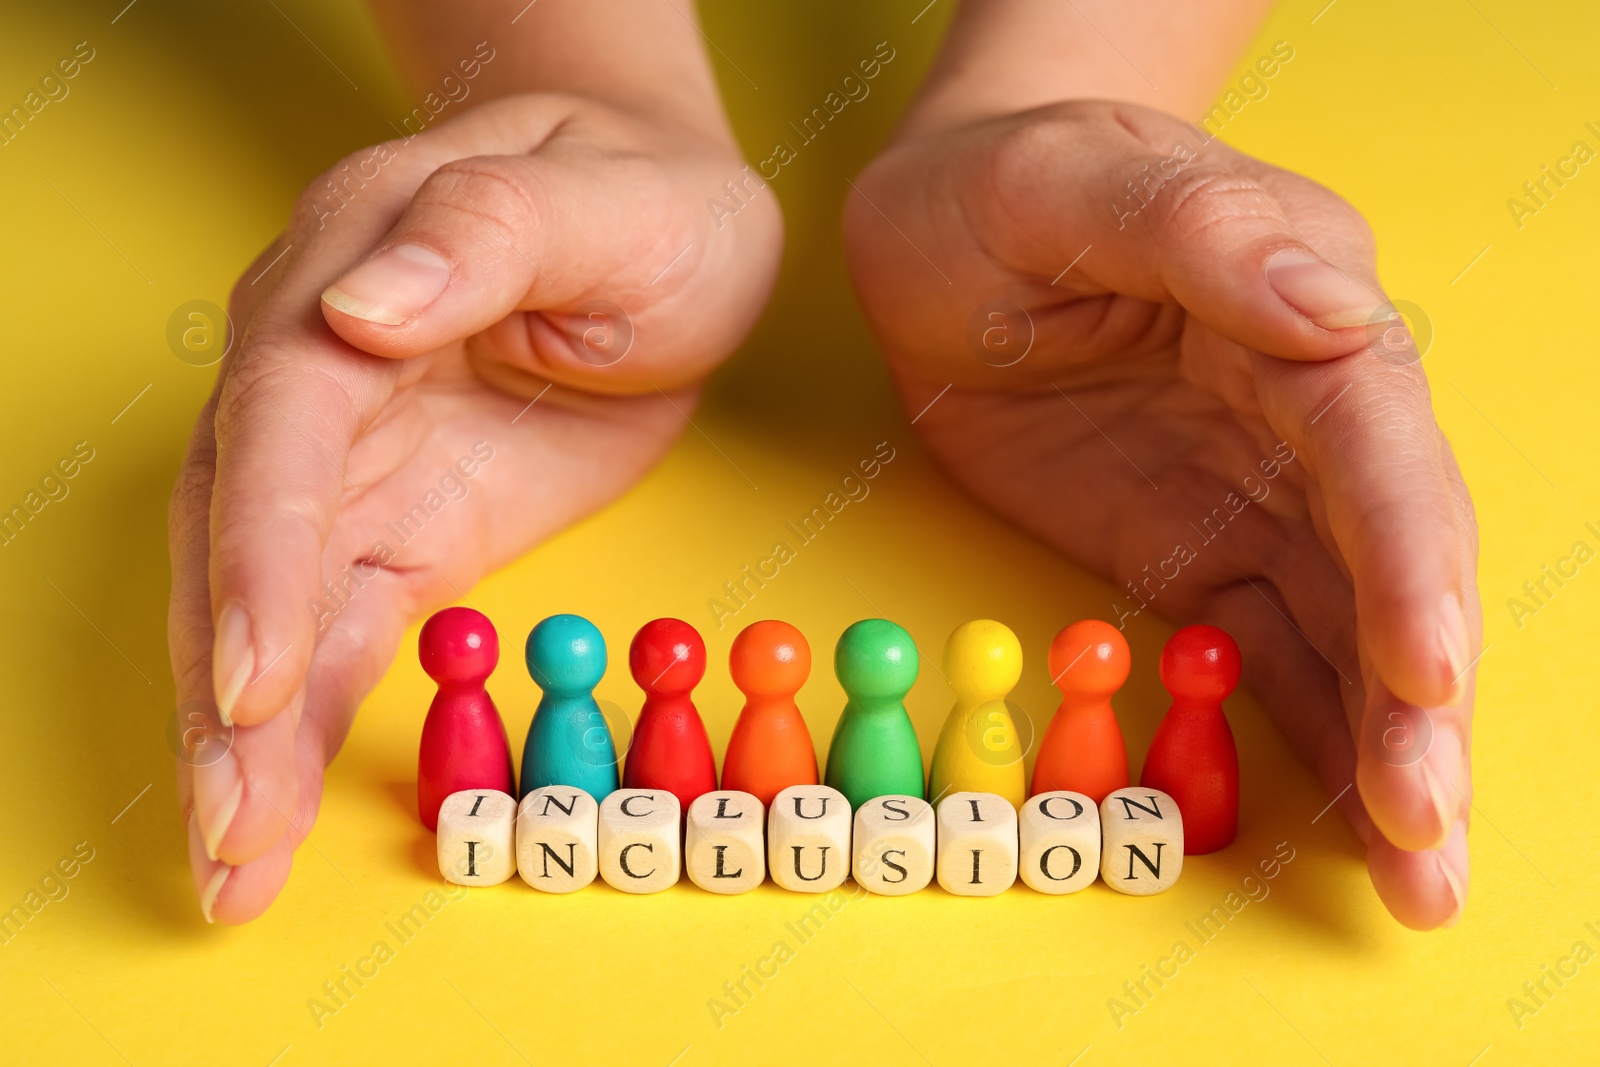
column 174, row 160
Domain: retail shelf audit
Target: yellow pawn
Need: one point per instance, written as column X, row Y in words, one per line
column 978, row 750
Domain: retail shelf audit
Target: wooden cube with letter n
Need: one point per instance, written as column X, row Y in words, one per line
column 558, row 839
column 1142, row 831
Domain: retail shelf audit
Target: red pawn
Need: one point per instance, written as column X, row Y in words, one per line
column 1193, row 758
column 670, row 749
column 464, row 742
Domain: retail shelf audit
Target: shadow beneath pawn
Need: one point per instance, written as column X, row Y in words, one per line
column 425, row 853
column 403, row 794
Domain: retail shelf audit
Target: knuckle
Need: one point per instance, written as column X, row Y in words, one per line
column 191, row 493
column 1344, row 216
column 1000, row 188
column 1196, row 201
column 1026, row 151
column 270, row 369
column 315, row 203
column 236, row 399
column 1351, row 220
column 484, row 190
column 244, row 294
column 295, row 524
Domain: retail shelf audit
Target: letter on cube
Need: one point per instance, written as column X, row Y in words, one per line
column 1143, row 834
column 724, row 851
column 558, row 839
column 475, row 839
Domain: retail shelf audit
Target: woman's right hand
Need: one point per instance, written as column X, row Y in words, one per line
column 504, row 324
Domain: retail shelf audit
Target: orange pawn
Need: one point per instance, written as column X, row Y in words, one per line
column 1083, row 749
column 770, row 749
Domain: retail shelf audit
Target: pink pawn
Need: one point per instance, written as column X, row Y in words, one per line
column 464, row 743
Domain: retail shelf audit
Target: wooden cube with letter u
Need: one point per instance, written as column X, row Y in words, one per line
column 808, row 838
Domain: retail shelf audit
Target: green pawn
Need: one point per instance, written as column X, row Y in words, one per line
column 874, row 750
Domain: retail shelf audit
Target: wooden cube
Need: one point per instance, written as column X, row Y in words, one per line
column 639, row 843
column 1142, row 832
column 1060, row 837
column 724, row 851
column 977, row 853
column 474, row 838
column 808, row 838
column 558, row 839
column 894, row 845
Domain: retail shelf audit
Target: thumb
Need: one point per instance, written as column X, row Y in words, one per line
column 481, row 238
column 1273, row 261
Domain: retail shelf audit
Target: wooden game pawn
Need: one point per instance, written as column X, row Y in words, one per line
column 874, row 751
column 464, row 743
column 978, row 750
column 1082, row 749
column 670, row 749
column 1192, row 757
column 770, row 748
column 569, row 742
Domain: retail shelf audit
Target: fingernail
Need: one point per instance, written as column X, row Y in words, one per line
column 217, row 829
column 1444, row 803
column 392, row 286
column 213, row 889
column 233, row 659
column 1320, row 291
column 1458, row 887
column 1453, row 641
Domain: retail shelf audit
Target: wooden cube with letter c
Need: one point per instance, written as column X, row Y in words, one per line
column 639, row 850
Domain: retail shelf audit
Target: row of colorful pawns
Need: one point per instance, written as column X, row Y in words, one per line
column 874, row 751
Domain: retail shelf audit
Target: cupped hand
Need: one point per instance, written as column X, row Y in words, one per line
column 464, row 341
column 1175, row 364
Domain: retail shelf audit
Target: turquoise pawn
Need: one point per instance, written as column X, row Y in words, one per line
column 568, row 742
column 874, row 750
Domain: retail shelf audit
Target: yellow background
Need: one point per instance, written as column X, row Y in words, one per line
column 174, row 160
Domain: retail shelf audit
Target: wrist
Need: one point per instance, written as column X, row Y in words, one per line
column 644, row 60
column 1001, row 57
